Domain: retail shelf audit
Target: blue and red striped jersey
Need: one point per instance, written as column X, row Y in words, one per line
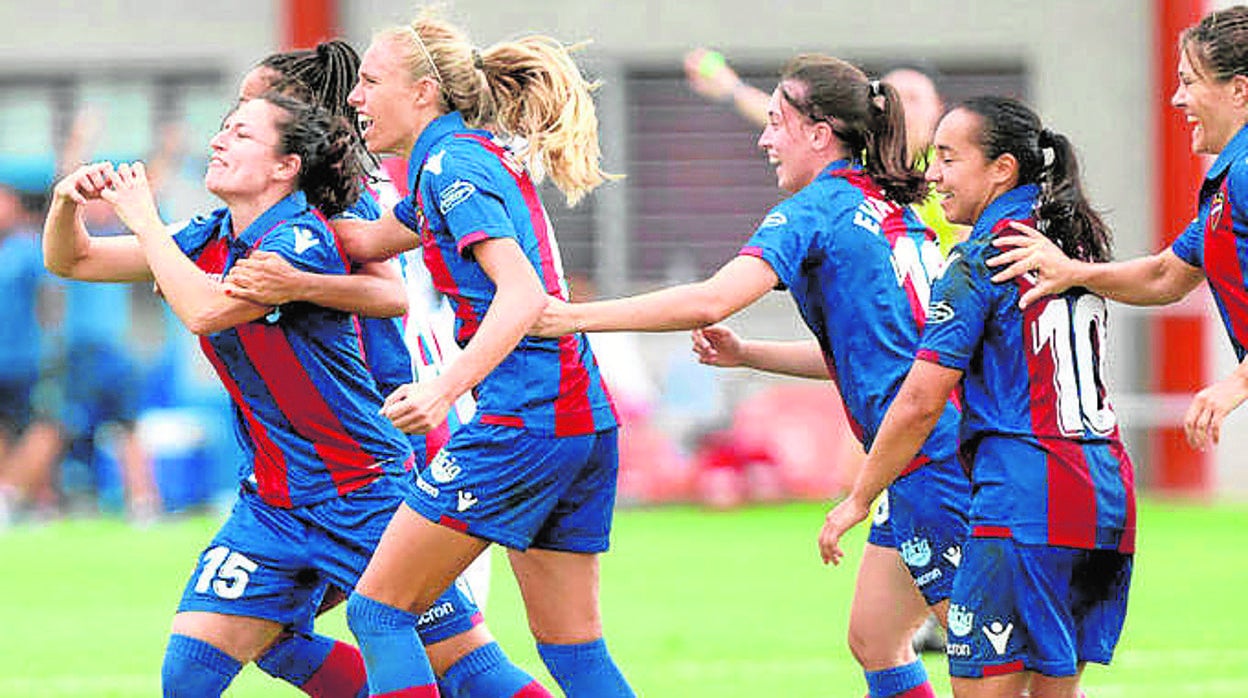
column 859, row 267
column 1217, row 241
column 305, row 405
column 1048, row 465
column 470, row 188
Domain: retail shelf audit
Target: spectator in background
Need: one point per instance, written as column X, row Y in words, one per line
column 23, row 295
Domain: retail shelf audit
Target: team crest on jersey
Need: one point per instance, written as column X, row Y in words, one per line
column 916, row 552
column 1215, row 209
column 455, row 194
column 774, row 219
column 961, row 620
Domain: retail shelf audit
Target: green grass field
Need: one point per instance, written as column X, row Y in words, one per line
column 696, row 604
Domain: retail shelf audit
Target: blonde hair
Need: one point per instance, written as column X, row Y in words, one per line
column 528, row 87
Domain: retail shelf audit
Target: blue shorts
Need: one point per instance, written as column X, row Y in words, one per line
column 1038, row 608
column 924, row 516
column 522, row 490
column 275, row 564
column 100, row 386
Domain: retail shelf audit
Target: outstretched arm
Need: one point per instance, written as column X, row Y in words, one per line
column 719, row 346
column 736, row 285
column 911, row 418
column 70, row 251
column 1158, row 279
column 375, row 289
column 374, row 241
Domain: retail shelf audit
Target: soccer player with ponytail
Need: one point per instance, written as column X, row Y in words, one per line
column 1042, row 585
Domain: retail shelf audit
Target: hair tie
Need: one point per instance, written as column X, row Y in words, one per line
column 477, row 61
column 1047, row 138
column 874, row 89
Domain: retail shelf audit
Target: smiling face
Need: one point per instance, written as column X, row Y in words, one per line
column 790, row 139
column 1209, row 104
column 967, row 180
column 246, row 156
column 387, row 99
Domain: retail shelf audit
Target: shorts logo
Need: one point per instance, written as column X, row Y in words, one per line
column 454, row 195
column 466, row 500
column 958, row 649
column 443, row 468
column 953, row 555
column 916, row 552
column 880, row 516
column 427, row 488
column 928, row 577
column 939, row 312
column 998, row 635
column 436, row 613
column 773, row 219
column 961, row 620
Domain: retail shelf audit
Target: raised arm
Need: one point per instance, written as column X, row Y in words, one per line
column 1158, row 279
column 911, row 418
column 70, row 251
column 710, row 76
column 736, row 285
column 198, row 300
column 375, row 289
column 719, row 346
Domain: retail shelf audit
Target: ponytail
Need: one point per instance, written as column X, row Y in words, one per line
column 887, row 156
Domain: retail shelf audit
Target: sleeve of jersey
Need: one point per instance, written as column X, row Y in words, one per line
column 470, row 196
column 191, row 236
column 960, row 303
column 780, row 240
column 1189, row 246
column 306, row 247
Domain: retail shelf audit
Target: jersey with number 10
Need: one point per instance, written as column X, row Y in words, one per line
column 859, row 268
column 1048, row 463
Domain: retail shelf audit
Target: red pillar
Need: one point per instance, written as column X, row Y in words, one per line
column 305, row 23
column 1178, row 340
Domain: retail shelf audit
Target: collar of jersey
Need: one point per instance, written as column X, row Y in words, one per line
column 1235, row 149
column 291, row 206
column 1015, row 204
column 437, row 129
column 842, row 164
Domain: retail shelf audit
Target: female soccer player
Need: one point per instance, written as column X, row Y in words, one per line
column 535, row 469
column 1042, row 587
column 1213, row 93
column 473, row 666
column 858, row 263
column 314, row 493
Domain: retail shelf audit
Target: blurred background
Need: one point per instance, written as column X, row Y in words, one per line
column 125, row 416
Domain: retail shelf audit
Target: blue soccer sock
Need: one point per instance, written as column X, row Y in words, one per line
column 319, row 666
column 585, row 670
column 908, row 680
column 486, row 672
column 195, row 669
column 396, row 661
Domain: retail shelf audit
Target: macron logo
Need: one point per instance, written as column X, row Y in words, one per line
column 466, row 500
column 304, row 240
column 434, row 162
column 998, row 635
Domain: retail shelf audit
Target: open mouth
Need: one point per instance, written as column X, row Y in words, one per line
column 364, row 122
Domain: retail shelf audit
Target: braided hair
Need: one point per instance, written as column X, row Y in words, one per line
column 329, row 174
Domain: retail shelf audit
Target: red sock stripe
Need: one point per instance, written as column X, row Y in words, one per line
column 533, row 690
column 430, row 691
column 342, row 674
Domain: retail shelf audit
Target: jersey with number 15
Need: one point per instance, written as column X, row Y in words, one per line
column 1048, row 463
column 859, row 267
